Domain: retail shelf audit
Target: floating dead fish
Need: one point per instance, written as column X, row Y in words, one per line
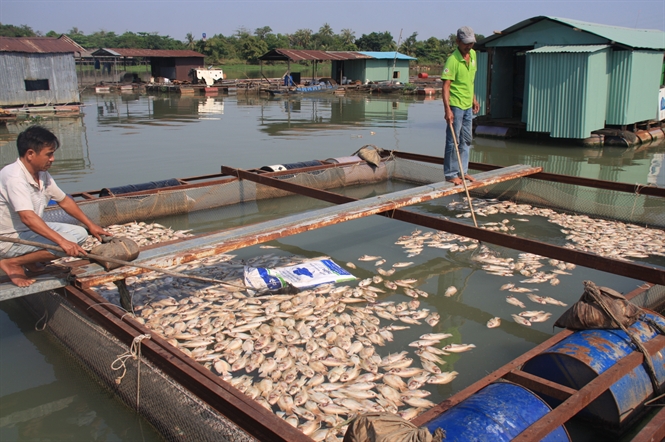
column 514, row 301
column 520, row 320
column 450, row 291
column 494, row 322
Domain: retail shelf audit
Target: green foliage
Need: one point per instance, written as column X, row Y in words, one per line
column 16, row 31
column 376, row 42
column 245, row 46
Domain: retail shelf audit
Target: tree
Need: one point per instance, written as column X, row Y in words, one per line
column 376, row 42
column 261, row 33
column 16, row 31
column 251, row 48
column 325, row 38
column 301, row 39
column 409, row 45
column 189, row 41
column 52, row 34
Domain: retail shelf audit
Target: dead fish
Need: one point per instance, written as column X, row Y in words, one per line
column 536, row 298
column 458, row 348
column 541, row 317
column 402, row 264
column 350, row 265
column 494, row 322
column 443, row 378
column 510, row 299
column 385, row 272
column 520, row 320
column 450, row 291
column 553, row 301
column 380, row 262
column 368, row 258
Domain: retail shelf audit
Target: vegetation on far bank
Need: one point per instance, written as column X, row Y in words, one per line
column 244, row 47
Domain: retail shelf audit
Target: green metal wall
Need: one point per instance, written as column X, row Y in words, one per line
column 566, row 92
column 480, row 84
column 353, row 69
column 381, row 70
column 634, row 84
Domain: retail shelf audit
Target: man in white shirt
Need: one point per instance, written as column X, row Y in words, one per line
column 25, row 189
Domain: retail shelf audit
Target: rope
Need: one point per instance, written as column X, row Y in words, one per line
column 134, row 352
column 638, row 187
column 651, row 371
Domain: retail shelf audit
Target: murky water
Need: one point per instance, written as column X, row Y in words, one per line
column 123, row 139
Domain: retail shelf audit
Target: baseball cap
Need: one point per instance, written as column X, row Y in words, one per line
column 466, row 35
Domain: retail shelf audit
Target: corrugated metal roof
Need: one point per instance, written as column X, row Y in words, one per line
column 301, row 54
column 634, row 38
column 387, row 55
column 153, row 53
column 568, row 48
column 36, row 45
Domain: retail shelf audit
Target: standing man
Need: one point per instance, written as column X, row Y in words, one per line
column 459, row 103
column 25, row 189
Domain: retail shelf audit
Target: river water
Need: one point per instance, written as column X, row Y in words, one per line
column 132, row 138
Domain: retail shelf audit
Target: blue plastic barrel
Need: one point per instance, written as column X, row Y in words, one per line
column 498, row 412
column 171, row 182
column 581, row 357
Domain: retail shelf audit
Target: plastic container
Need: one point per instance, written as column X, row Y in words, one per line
column 498, row 412
column 584, row 355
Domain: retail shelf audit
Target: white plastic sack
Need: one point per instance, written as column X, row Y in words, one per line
column 303, row 275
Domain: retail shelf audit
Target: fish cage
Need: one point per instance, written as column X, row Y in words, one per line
column 186, row 401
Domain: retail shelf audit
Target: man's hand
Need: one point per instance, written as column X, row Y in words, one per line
column 71, row 248
column 449, row 116
column 476, row 106
column 97, row 231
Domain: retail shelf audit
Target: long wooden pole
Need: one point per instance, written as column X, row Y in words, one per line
column 118, row 261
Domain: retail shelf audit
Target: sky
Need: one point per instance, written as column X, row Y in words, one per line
column 438, row 19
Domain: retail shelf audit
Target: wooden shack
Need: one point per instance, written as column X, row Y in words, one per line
column 568, row 78
column 164, row 63
column 37, row 71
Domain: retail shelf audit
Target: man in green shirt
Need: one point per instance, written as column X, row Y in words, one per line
column 459, row 103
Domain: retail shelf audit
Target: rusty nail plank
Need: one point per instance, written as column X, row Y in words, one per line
column 232, row 239
column 482, row 383
column 540, row 385
column 570, row 407
column 654, row 431
column 226, row 399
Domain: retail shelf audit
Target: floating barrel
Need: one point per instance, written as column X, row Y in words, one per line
column 274, row 168
column 139, row 187
column 281, row 167
column 582, row 356
column 498, row 412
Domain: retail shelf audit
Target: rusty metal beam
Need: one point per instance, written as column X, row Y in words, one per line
column 623, row 268
column 545, row 176
column 654, row 431
column 223, row 397
column 540, row 385
column 573, row 405
column 482, row 383
column 232, row 239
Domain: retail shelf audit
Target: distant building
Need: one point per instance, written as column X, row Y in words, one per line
column 350, row 65
column 37, row 71
column 568, row 78
column 166, row 63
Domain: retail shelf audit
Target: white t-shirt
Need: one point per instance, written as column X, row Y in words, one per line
column 18, row 192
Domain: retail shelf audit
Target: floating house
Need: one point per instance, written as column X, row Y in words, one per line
column 351, row 66
column 37, row 71
column 569, row 78
column 164, row 63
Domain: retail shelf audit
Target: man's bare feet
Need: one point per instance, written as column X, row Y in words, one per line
column 16, row 273
column 469, row 178
column 456, row 181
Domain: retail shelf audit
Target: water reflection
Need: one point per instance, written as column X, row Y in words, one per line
column 72, row 156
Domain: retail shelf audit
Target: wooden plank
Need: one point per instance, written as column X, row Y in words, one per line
column 433, row 412
column 223, row 397
column 43, row 283
column 654, row 431
column 232, row 239
column 573, row 405
column 540, row 385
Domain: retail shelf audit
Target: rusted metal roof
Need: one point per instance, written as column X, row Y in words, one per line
column 153, row 53
column 43, row 45
column 300, row 55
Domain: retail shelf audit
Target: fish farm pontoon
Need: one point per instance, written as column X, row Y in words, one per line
column 185, row 400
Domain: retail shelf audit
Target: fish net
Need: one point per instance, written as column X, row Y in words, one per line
column 174, row 411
